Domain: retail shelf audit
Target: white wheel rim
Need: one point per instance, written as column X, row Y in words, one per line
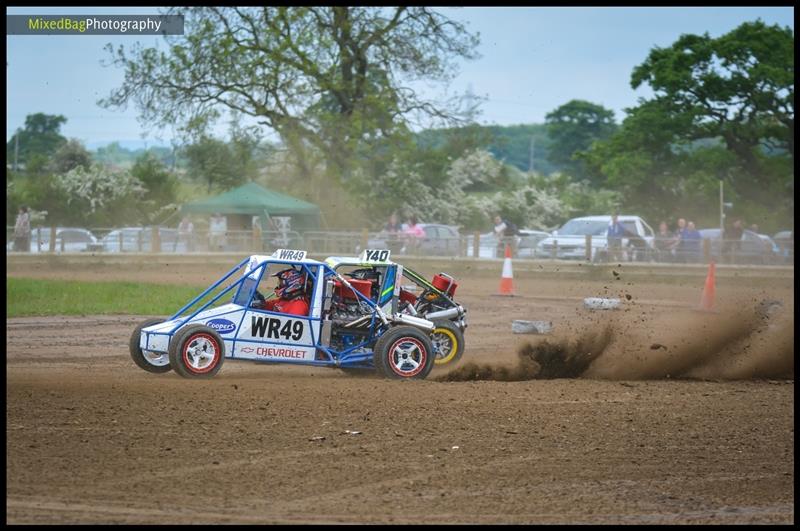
column 407, row 356
column 156, row 359
column 442, row 345
column 200, row 353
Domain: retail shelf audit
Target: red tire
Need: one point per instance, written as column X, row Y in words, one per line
column 196, row 351
column 404, row 352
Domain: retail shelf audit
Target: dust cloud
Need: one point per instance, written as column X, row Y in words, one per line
column 743, row 341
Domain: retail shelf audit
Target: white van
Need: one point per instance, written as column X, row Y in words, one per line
column 569, row 241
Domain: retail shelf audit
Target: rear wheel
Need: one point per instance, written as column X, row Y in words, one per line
column 404, row 352
column 448, row 343
column 156, row 362
column 196, row 351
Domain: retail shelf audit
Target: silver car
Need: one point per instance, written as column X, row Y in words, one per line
column 68, row 240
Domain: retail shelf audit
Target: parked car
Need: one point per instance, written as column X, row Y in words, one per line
column 68, row 240
column 139, row 240
column 525, row 244
column 753, row 249
column 569, row 241
column 439, row 240
column 785, row 241
column 528, row 240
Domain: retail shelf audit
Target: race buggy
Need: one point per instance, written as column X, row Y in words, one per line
column 360, row 320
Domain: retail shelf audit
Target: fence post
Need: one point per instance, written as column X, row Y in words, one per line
column 554, row 250
column 706, row 250
column 476, row 244
column 52, row 239
column 364, row 238
column 588, row 247
column 120, row 241
column 156, row 241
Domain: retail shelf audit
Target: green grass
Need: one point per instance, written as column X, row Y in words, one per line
column 35, row 297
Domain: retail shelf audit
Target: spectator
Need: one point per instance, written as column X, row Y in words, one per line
column 692, row 243
column 413, row 234
column 663, row 243
column 393, row 229
column 678, row 244
column 186, row 234
column 614, row 236
column 754, row 228
column 22, row 231
column 217, row 227
column 505, row 231
column 732, row 241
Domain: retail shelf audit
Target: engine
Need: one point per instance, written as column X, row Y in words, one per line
column 347, row 310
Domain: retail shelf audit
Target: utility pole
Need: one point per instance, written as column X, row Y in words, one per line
column 16, row 149
column 530, row 157
column 721, row 211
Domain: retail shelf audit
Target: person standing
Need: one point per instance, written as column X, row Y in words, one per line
column 505, row 231
column 692, row 243
column 217, row 227
column 393, row 228
column 679, row 244
column 614, row 236
column 732, row 241
column 186, row 234
column 22, row 231
column 413, row 235
column 663, row 242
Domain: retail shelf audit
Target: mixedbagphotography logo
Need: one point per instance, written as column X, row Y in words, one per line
column 94, row 24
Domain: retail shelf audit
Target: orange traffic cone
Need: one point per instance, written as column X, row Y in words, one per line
column 507, row 279
column 707, row 299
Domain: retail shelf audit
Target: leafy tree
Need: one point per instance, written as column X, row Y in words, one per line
column 37, row 140
column 330, row 77
column 213, row 162
column 70, row 155
column 572, row 128
column 723, row 109
column 160, row 184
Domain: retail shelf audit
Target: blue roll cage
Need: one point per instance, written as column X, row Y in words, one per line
column 338, row 358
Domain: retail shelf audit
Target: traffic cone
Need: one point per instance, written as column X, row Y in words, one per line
column 507, row 279
column 707, row 299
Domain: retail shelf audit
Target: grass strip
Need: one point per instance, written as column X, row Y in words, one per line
column 37, row 297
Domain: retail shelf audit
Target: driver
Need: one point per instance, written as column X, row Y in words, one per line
column 291, row 293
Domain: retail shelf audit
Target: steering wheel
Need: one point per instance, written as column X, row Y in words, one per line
column 258, row 300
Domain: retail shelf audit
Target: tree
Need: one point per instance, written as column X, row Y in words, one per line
column 212, row 162
column 572, row 128
column 36, row 142
column 160, row 184
column 70, row 155
column 723, row 109
column 328, row 78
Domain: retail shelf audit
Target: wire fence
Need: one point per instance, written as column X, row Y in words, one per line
column 349, row 243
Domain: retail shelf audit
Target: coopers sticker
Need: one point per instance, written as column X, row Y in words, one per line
column 222, row 326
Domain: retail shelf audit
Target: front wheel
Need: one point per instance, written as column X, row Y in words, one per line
column 448, row 343
column 404, row 352
column 156, row 362
column 196, row 351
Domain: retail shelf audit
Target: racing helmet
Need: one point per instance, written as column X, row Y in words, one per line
column 291, row 283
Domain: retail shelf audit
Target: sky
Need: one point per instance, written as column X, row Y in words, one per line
column 533, row 59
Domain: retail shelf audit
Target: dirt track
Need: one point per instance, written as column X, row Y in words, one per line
column 92, row 438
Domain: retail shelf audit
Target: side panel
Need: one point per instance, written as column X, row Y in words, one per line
column 276, row 336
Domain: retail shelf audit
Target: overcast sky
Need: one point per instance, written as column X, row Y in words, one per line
column 533, row 59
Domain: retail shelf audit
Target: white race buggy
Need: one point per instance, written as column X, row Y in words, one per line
column 360, row 320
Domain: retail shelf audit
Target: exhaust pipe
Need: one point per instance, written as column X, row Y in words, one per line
column 450, row 313
column 410, row 320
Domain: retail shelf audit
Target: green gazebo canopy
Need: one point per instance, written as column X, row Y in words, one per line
column 256, row 200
